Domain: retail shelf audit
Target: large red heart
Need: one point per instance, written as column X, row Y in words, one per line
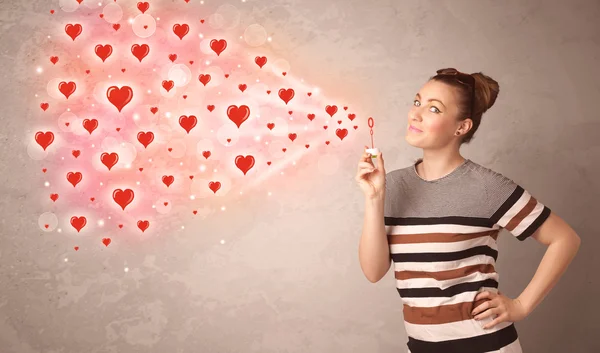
column 218, row 45
column 204, row 79
column 78, row 222
column 106, row 241
column 143, row 225
column 103, row 51
column 168, row 180
column 286, row 94
column 74, row 178
column 145, row 138
column 168, row 85
column 119, row 97
column 73, row 31
column 181, row 30
column 341, row 133
column 90, row 125
column 188, row 122
column 260, row 61
column 140, row 51
column 44, row 139
column 143, row 6
column 244, row 163
column 214, row 186
column 67, row 88
column 238, row 115
column 123, row 197
column 331, row 110
column 109, row 160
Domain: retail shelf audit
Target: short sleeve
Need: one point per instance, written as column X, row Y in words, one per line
column 513, row 208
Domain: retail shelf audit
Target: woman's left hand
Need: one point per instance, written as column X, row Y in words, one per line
column 505, row 309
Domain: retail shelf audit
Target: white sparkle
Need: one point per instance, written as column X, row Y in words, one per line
column 46, row 184
column 109, row 76
column 59, row 230
column 137, row 182
column 101, row 222
column 168, row 114
column 222, row 241
column 149, row 91
column 39, row 70
column 66, row 259
column 126, row 269
column 127, row 165
column 269, row 39
column 101, row 184
column 192, row 197
column 93, row 145
column 207, row 62
column 131, row 20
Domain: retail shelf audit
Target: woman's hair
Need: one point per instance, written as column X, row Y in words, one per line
column 486, row 92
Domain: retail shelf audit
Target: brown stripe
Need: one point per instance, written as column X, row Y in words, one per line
column 441, row 314
column 449, row 274
column 438, row 237
column 525, row 211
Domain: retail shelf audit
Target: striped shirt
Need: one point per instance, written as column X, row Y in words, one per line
column 442, row 236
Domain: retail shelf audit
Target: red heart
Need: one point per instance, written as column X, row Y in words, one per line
column 206, row 154
column 284, row 73
column 191, row 62
column 191, row 177
column 54, row 59
column 118, row 129
column 309, row 94
column 123, row 70
column 284, row 149
column 165, row 203
column 106, row 241
column 218, row 45
column 307, row 146
column 184, row 96
column 87, row 71
column 214, row 186
column 269, row 162
column 52, row 12
column 238, row 115
column 339, row 122
column 120, row 226
column 54, row 197
column 286, row 94
column 290, row 112
column 228, row 140
column 310, row 117
column 67, row 89
column 123, row 197
column 210, row 108
column 76, row 153
column 260, row 61
column 172, row 57
column 170, row 149
column 269, row 92
column 201, row 21
column 44, row 106
column 67, row 124
column 355, row 127
column 168, row 85
column 204, row 79
column 90, row 125
column 44, row 139
column 327, row 142
column 92, row 199
column 168, row 180
column 44, row 170
column 140, row 51
column 46, row 226
column 76, row 248
column 351, row 116
column 341, row 133
column 103, row 51
column 116, row 26
column 109, row 160
column 292, row 137
column 101, row 15
column 74, row 178
column 345, row 108
column 143, row 225
column 226, row 75
column 154, row 110
column 141, row 169
column 181, row 30
column 242, row 87
column 188, row 122
column 78, row 222
column 270, row 126
column 143, row 6
column 194, row 212
column 145, row 138
column 244, row 163
column 73, row 31
column 119, row 97
column 331, row 110
column 325, row 127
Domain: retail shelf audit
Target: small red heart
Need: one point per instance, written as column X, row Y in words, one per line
column 206, row 154
column 270, row 126
column 105, row 241
column 54, row 59
column 284, row 73
column 44, row 106
column 76, row 153
column 44, row 170
column 290, row 112
column 325, row 127
column 123, row 70
column 269, row 92
column 87, row 71
column 228, row 140
column 168, row 180
column 165, row 203
column 191, row 177
column 307, row 146
column 116, row 26
column 310, row 117
column 327, row 142
column 76, row 248
column 284, row 149
column 339, row 122
column 101, row 15
column 345, row 108
column 54, row 197
column 184, row 0
column 143, row 225
column 226, row 75
column 141, row 169
column 351, row 116
column 201, row 21
column 242, row 87
column 194, row 211
column 214, row 186
column 120, row 226
column 269, row 162
column 92, row 199
column 191, row 62
column 185, row 96
column 309, row 94
column 118, row 129
column 145, row 26
column 172, row 57
column 170, row 149
column 67, row 124
column 46, row 226
column 210, row 108
column 154, row 110
column 52, row 12
column 355, row 127
column 292, row 136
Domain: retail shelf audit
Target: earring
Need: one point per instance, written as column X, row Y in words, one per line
column 457, row 133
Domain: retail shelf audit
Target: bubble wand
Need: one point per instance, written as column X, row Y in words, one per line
column 373, row 151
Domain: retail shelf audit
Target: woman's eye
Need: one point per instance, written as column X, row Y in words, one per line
column 436, row 109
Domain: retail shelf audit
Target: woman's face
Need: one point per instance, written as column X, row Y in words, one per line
column 435, row 113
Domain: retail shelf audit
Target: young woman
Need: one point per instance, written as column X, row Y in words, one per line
column 438, row 222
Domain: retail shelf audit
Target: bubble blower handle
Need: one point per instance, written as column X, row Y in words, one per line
column 373, row 151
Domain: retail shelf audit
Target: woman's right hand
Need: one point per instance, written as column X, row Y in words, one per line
column 369, row 177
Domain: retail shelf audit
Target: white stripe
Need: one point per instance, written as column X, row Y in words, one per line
column 527, row 221
column 429, row 302
column 436, row 228
column 443, row 247
column 452, row 330
column 431, row 282
column 444, row 265
column 516, row 208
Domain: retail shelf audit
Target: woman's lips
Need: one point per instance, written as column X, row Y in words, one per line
column 412, row 128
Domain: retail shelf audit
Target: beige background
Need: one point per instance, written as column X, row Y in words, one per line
column 287, row 278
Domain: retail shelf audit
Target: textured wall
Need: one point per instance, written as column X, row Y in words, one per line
column 287, row 277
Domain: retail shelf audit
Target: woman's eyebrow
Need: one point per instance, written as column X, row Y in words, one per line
column 432, row 99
